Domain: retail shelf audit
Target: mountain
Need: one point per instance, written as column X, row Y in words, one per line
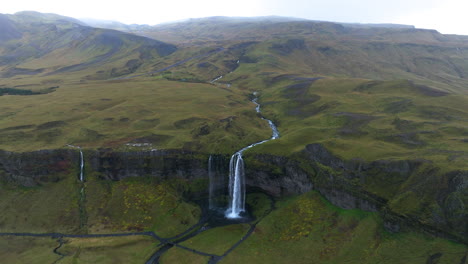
column 323, row 48
column 46, row 44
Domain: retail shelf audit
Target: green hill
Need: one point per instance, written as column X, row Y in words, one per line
column 47, row 45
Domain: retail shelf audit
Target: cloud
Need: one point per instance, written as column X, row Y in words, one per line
column 446, row 16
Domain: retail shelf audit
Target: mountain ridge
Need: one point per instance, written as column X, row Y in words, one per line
column 59, row 44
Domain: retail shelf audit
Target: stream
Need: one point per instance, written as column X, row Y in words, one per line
column 237, row 171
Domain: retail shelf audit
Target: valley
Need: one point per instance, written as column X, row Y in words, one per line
column 371, row 165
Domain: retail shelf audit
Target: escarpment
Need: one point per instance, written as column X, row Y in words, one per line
column 400, row 190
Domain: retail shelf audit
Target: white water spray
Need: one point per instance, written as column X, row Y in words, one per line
column 216, row 79
column 81, row 166
column 237, row 173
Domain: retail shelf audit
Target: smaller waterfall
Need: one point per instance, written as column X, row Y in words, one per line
column 217, row 188
column 81, row 166
column 216, row 79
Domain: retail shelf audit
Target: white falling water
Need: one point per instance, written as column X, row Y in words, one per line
column 237, row 173
column 81, row 166
column 236, row 186
column 216, row 79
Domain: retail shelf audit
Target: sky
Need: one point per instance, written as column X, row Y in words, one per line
column 446, row 16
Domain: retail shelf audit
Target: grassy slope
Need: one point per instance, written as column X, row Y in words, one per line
column 140, row 204
column 393, row 120
column 307, row 229
column 112, row 113
column 39, row 209
column 330, row 235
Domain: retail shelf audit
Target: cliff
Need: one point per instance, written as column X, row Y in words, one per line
column 407, row 193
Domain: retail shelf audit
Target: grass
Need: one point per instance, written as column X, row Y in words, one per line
column 111, row 114
column 306, row 229
column 217, row 240
column 178, row 255
column 39, row 209
column 367, row 129
column 138, row 205
column 77, row 250
column 18, row 250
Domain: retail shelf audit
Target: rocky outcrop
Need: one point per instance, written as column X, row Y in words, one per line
column 33, row 168
column 378, row 185
column 278, row 176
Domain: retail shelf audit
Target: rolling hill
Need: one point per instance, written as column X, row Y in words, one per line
column 46, row 45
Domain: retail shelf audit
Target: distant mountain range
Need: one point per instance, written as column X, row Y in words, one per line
column 33, row 43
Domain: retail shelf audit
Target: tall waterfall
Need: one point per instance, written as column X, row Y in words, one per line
column 236, row 186
column 81, row 166
column 237, row 172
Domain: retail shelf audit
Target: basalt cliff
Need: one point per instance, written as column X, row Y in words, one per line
column 349, row 184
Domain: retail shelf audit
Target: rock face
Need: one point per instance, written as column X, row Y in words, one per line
column 33, row 168
column 441, row 198
column 277, row 175
column 348, row 184
column 159, row 163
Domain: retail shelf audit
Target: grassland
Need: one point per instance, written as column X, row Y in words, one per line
column 17, row 250
column 370, row 120
column 329, row 235
column 111, row 114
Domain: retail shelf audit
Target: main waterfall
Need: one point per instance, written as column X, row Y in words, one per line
column 237, row 173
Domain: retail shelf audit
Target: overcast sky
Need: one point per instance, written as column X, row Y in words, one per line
column 446, row 16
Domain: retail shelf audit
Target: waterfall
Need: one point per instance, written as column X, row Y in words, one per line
column 216, row 79
column 237, row 172
column 81, row 166
column 236, row 186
